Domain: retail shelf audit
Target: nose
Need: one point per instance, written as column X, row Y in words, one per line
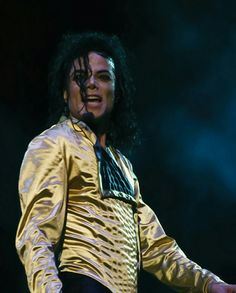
column 91, row 82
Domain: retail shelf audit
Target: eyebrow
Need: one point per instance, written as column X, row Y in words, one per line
column 105, row 71
column 110, row 72
column 101, row 70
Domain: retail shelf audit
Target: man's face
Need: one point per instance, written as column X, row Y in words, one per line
column 99, row 87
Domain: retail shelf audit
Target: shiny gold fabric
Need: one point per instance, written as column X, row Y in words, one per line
column 62, row 209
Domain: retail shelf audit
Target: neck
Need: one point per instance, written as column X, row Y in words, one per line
column 102, row 140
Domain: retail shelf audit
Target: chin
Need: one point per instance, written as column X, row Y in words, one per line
column 98, row 123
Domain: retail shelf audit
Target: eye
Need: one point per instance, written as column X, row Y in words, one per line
column 104, row 77
column 80, row 76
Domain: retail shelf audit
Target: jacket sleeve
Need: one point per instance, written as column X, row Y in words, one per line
column 43, row 191
column 162, row 257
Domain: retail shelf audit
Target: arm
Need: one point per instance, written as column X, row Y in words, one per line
column 162, row 257
column 43, row 189
column 221, row 288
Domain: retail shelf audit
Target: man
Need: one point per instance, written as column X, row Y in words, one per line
column 84, row 226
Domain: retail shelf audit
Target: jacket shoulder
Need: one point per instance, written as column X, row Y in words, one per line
column 52, row 136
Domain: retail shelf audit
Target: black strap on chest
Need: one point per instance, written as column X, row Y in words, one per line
column 114, row 182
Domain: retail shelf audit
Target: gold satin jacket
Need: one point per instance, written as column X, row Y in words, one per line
column 105, row 238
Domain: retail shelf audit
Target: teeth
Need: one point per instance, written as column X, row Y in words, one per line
column 93, row 99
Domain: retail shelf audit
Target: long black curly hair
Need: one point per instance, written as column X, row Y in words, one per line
column 123, row 131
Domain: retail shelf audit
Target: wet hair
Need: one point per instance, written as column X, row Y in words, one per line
column 123, row 130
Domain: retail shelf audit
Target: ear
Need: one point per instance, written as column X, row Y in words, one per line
column 65, row 95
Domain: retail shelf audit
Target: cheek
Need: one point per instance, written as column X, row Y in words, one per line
column 111, row 92
column 74, row 94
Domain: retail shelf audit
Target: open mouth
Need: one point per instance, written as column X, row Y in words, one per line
column 93, row 99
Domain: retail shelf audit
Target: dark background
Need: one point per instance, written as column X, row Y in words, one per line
column 183, row 58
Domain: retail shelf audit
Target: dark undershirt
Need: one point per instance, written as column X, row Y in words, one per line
column 77, row 283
